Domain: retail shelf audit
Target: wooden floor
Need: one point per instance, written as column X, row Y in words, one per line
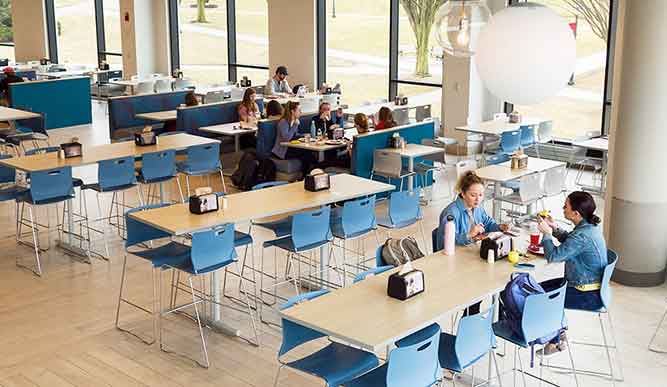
column 58, row 330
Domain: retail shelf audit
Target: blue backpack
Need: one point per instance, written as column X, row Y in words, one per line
column 520, row 286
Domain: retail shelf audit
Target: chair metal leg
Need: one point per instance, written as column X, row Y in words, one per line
column 103, row 226
column 523, row 374
column 607, row 349
column 495, row 362
column 180, row 189
column 615, row 346
column 34, row 240
column 199, row 325
column 222, row 178
column 574, row 372
column 250, row 314
column 275, row 380
column 187, row 184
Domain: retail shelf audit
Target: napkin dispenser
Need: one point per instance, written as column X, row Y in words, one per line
column 71, row 149
column 519, row 161
column 145, row 138
column 336, row 133
column 203, row 201
column 406, row 283
column 500, row 244
column 317, row 181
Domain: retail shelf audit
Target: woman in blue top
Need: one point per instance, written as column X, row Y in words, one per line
column 286, row 130
column 471, row 220
column 583, row 250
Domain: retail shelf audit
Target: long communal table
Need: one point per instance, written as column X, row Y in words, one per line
column 252, row 205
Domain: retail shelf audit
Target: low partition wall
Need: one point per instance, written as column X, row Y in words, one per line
column 123, row 110
column 190, row 119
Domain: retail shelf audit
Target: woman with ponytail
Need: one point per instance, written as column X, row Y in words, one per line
column 583, row 250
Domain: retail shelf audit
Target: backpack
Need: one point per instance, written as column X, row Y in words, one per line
column 396, row 252
column 520, row 286
column 266, row 171
column 245, row 176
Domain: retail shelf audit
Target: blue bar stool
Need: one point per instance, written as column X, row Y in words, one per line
column 9, row 191
column 48, row 187
column 115, row 176
column 211, row 251
column 404, row 211
column 202, row 160
column 380, row 267
column 473, row 340
column 414, row 362
column 527, row 135
column 335, row 363
column 138, row 234
column 354, row 221
column 158, row 168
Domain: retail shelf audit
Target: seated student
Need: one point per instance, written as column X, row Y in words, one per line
column 191, row 99
column 287, row 130
column 10, row 77
column 385, row 119
column 583, row 250
column 470, row 219
column 274, row 110
column 344, row 159
column 277, row 84
column 325, row 120
column 248, row 109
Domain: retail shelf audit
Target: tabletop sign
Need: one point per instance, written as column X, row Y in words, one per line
column 317, row 182
column 406, row 284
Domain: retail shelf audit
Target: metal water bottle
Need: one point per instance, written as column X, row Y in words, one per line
column 450, row 236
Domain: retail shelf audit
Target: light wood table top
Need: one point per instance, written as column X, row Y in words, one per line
column 11, row 114
column 135, row 82
column 313, row 146
column 166, row 115
column 501, row 173
column 599, row 143
column 537, row 165
column 93, row 154
column 230, row 129
column 364, row 315
column 241, row 207
column 416, row 150
column 374, row 108
column 493, row 127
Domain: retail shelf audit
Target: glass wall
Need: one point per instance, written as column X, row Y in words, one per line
column 358, row 49
column 6, row 31
column 112, row 38
column 252, row 42
column 578, row 108
column 203, row 41
column 76, row 32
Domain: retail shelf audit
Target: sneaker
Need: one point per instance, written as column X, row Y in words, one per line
column 550, row 349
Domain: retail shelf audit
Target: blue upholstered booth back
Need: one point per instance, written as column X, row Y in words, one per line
column 365, row 145
column 62, row 102
column 122, row 110
column 266, row 133
column 190, row 119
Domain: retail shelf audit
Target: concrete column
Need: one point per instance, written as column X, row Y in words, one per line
column 465, row 99
column 636, row 216
column 29, row 27
column 293, row 40
column 144, row 37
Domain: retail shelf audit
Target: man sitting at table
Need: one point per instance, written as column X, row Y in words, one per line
column 10, row 77
column 277, row 84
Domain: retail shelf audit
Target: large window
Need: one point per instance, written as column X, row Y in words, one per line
column 6, row 31
column 76, row 32
column 203, row 40
column 358, row 49
column 252, row 40
column 577, row 110
column 112, row 39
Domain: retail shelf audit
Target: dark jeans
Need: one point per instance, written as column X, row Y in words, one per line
column 576, row 299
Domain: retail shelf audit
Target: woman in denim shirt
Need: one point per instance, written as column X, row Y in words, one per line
column 583, row 250
column 287, row 130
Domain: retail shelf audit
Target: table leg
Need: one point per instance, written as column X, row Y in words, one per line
column 603, row 180
column 496, row 203
column 411, row 168
column 216, row 315
column 237, row 143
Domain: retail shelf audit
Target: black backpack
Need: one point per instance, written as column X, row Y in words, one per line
column 396, row 252
column 266, row 171
column 245, row 176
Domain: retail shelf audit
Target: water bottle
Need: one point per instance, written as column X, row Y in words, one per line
column 313, row 130
column 450, row 235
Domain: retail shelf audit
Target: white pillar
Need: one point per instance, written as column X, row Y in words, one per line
column 29, row 30
column 293, row 40
column 144, row 37
column 636, row 216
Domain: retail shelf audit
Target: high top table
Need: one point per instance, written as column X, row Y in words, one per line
column 413, row 151
column 11, row 115
column 599, row 144
column 233, row 129
column 251, row 205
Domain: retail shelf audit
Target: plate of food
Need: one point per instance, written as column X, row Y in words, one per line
column 334, row 142
column 537, row 250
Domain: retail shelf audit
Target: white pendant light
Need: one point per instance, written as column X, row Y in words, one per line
column 526, row 54
column 458, row 23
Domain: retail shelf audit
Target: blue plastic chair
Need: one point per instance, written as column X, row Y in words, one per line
column 473, row 340
column 201, row 160
column 497, row 159
column 157, row 168
column 47, row 187
column 114, row 176
column 414, row 362
column 355, row 220
column 280, row 227
column 543, row 315
column 8, row 175
column 403, row 211
column 527, row 135
column 211, row 250
column 335, row 363
column 510, row 141
column 138, row 233
column 380, row 267
column 310, row 230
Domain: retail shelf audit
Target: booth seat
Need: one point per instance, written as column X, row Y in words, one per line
column 289, row 169
column 190, row 119
column 123, row 110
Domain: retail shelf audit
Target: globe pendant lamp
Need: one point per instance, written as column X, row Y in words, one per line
column 458, row 24
column 526, row 54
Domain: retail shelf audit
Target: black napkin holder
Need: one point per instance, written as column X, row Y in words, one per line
column 72, row 149
column 317, row 182
column 501, row 246
column 406, row 285
column 145, row 138
column 202, row 204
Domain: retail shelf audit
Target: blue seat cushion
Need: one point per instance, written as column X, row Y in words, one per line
column 286, row 243
column 337, row 226
column 336, row 363
column 26, row 197
column 375, row 378
column 512, row 184
column 11, row 193
column 172, row 254
column 287, row 165
column 187, row 267
column 502, row 330
column 242, row 239
column 141, row 179
column 385, row 221
column 96, row 187
column 184, row 167
column 281, row 227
